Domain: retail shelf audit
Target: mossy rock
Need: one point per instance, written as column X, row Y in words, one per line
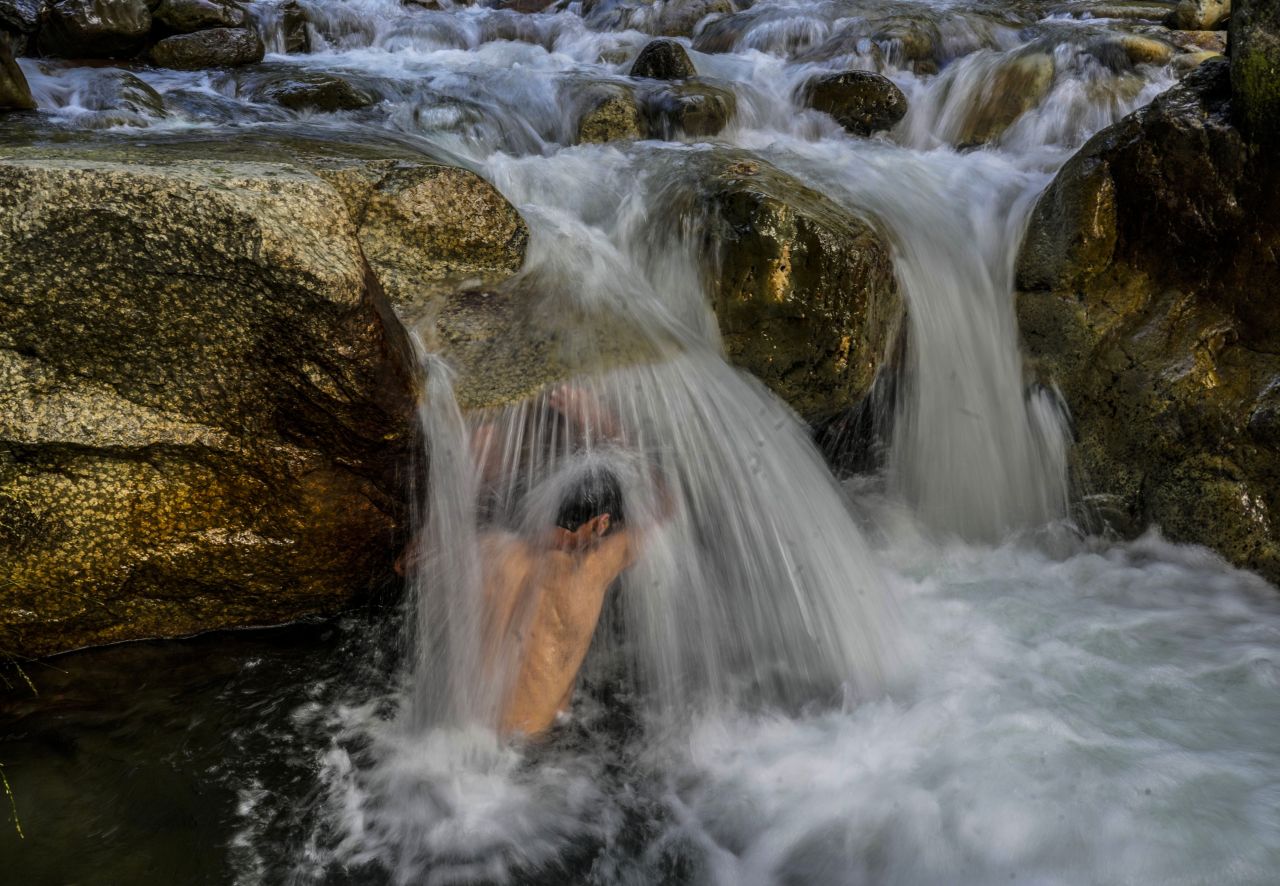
column 1255, row 68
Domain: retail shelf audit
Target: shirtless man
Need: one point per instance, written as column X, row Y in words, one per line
column 544, row 591
column 543, row 601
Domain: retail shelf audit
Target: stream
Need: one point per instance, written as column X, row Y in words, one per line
column 934, row 672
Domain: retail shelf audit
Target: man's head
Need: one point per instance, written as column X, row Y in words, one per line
column 590, row 509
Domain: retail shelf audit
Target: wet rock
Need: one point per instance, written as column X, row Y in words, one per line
column 188, row 16
column 1133, row 11
column 20, row 16
column 1255, row 68
column 118, row 98
column 910, row 43
column 94, row 28
column 205, row 402
column 1199, row 15
column 860, row 101
column 1017, row 86
column 694, row 110
column 312, row 91
column 663, row 60
column 1209, row 41
column 15, row 94
column 297, row 34
column 1146, row 279
column 429, row 230
column 1189, row 61
column 610, row 115
column 1145, row 50
column 213, row 48
column 804, row 292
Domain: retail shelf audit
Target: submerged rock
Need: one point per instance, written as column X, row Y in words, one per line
column 860, row 101
column 94, row 28
column 1146, row 280
column 663, row 60
column 664, row 18
column 15, row 94
column 610, row 114
column 188, row 16
column 804, row 292
column 691, row 109
column 1017, row 85
column 212, row 48
column 1255, row 68
column 312, row 91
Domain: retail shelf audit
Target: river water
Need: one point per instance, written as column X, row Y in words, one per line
column 921, row 675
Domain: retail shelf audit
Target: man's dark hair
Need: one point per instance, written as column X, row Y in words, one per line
column 596, row 492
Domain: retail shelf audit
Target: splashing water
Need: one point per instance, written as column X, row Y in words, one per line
column 908, row 679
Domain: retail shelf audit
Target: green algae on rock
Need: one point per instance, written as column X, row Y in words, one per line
column 1146, row 277
column 1255, row 68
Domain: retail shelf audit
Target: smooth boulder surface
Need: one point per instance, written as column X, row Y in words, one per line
column 1016, row 85
column 94, row 28
column 212, row 48
column 1255, row 68
column 663, row 60
column 311, row 91
column 15, row 94
column 208, row 401
column 1147, row 283
column 188, row 16
column 861, row 101
column 803, row 291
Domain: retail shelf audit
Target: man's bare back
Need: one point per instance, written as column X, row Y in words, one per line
column 544, row 601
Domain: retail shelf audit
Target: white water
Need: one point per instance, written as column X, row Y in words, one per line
column 1023, row 705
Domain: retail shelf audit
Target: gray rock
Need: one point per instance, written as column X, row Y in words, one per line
column 94, row 28
column 860, row 101
column 214, row 48
column 609, row 113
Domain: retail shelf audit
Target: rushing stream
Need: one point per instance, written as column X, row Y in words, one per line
column 927, row 674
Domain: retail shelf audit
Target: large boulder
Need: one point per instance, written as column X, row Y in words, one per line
column 860, row 101
column 94, row 28
column 691, row 109
column 207, row 400
column 15, row 94
column 804, row 292
column 1015, row 85
column 309, row 91
column 1255, row 68
column 1146, row 279
column 212, row 48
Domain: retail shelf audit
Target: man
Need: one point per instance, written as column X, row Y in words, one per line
column 544, row 596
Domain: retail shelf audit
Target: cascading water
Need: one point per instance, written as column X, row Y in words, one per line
column 797, row 682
